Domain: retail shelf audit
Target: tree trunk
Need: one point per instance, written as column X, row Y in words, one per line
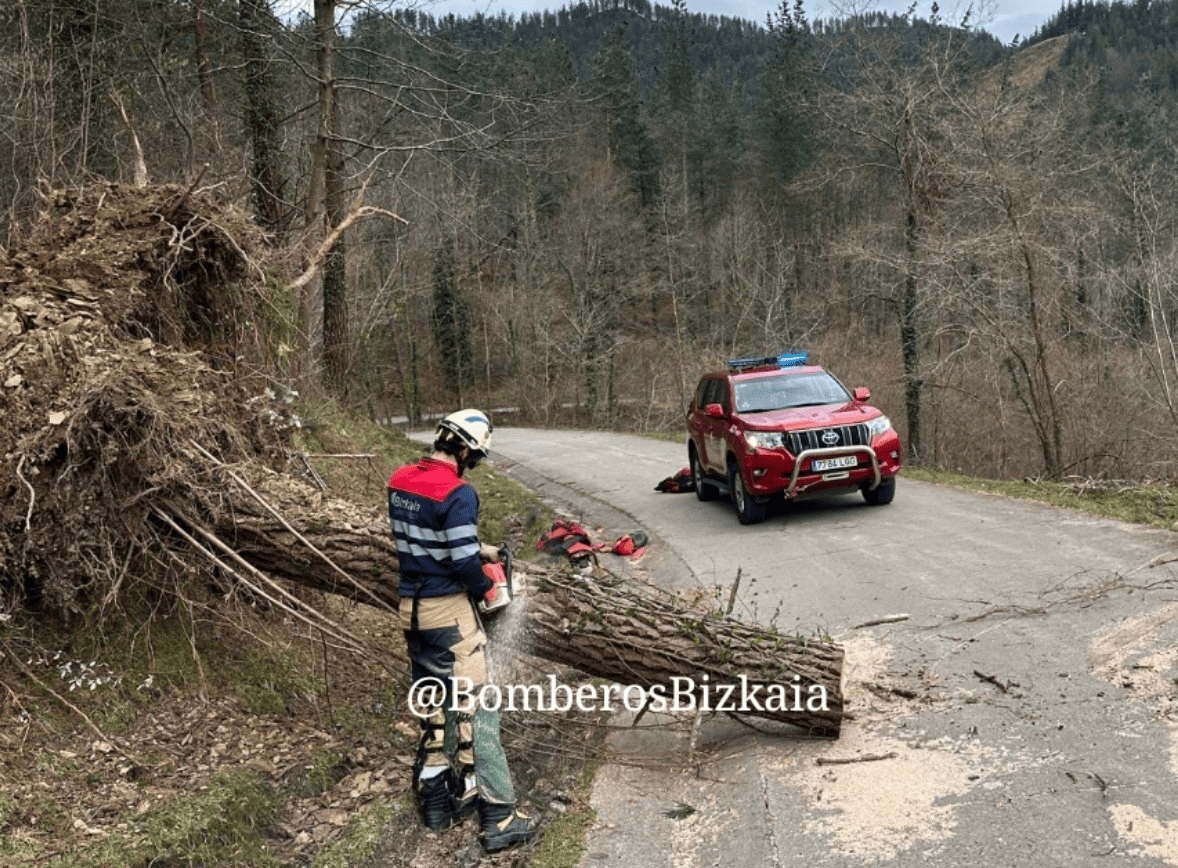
column 644, row 636
column 204, row 72
column 267, row 177
column 325, row 199
column 630, row 633
column 345, row 536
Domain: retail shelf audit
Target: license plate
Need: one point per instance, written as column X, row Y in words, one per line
column 820, row 464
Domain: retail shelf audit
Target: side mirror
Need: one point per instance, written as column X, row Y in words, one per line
column 714, row 410
column 862, row 394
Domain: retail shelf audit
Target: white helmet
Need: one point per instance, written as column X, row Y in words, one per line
column 470, row 428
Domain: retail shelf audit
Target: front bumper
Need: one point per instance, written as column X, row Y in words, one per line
column 770, row 471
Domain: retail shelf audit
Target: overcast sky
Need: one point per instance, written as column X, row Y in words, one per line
column 1003, row 18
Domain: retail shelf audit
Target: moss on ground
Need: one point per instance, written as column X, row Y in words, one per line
column 363, row 835
column 226, row 824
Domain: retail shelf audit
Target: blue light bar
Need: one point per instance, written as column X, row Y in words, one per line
column 791, row 359
column 788, row 359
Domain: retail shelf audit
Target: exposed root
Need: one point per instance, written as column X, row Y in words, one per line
column 32, row 494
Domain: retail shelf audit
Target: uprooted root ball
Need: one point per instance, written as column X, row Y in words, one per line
column 126, row 335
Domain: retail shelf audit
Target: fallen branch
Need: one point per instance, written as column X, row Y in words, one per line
column 372, row 597
column 902, row 692
column 990, row 679
column 350, row 642
column 93, row 726
column 887, row 619
column 335, row 630
column 866, row 758
column 732, row 593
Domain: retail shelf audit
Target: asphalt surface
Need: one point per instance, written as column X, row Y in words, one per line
column 1025, row 712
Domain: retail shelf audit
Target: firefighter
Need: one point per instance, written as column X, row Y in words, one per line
column 434, row 515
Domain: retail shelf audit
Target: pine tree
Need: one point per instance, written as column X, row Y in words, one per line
column 631, row 145
column 785, row 128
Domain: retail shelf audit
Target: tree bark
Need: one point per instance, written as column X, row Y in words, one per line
column 267, row 174
column 647, row 637
column 271, row 523
column 329, row 166
column 204, row 72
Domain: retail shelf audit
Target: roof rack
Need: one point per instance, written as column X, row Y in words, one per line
column 787, row 359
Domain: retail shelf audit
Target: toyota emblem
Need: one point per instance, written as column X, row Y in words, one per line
column 830, row 438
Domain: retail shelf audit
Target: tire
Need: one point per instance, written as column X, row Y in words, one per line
column 883, row 493
column 704, row 490
column 748, row 509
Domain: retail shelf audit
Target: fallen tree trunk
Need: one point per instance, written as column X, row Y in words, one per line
column 682, row 656
column 292, row 531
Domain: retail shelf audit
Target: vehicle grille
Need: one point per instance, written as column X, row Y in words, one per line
column 848, row 435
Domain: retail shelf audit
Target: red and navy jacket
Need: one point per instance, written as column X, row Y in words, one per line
column 435, row 520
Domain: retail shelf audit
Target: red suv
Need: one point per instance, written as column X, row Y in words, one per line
column 778, row 426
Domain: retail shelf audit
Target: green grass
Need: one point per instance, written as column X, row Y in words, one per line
column 225, row 824
column 1145, row 503
column 563, row 841
column 269, row 682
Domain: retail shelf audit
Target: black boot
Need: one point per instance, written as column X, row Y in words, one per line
column 435, row 796
column 503, row 826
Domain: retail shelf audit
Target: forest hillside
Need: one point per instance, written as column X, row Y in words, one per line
column 574, row 213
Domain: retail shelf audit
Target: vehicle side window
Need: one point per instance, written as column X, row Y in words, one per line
column 712, row 392
column 701, row 394
column 722, row 395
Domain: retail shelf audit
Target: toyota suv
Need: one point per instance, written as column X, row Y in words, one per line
column 777, row 426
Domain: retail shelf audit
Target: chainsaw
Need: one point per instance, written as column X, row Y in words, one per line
column 500, row 573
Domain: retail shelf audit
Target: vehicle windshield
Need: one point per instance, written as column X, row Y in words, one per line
column 787, row 391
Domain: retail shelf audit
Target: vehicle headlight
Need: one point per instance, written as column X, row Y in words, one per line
column 878, row 426
column 764, row 439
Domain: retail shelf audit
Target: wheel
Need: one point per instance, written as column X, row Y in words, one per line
column 883, row 493
column 748, row 509
column 704, row 490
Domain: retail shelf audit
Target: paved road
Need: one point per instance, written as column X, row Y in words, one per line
column 1070, row 758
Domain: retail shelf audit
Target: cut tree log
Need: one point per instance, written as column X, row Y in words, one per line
column 636, row 634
